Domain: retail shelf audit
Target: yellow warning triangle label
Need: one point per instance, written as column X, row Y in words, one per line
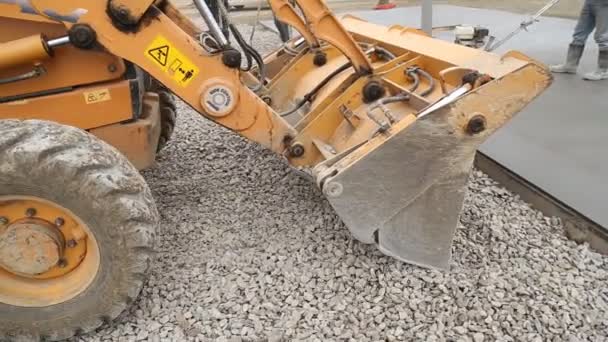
column 160, row 54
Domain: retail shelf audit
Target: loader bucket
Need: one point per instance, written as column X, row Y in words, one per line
column 396, row 171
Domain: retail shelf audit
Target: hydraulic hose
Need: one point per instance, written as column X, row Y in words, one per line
column 413, row 74
column 431, row 81
column 382, row 51
column 241, row 41
column 308, row 97
column 384, row 126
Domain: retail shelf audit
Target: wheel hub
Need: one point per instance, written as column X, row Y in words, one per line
column 30, row 247
column 47, row 254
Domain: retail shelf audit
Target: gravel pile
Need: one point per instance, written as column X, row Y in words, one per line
column 252, row 252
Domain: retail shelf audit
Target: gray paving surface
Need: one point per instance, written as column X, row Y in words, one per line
column 560, row 142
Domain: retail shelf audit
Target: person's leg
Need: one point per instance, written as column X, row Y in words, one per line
column 601, row 37
column 584, row 27
column 284, row 30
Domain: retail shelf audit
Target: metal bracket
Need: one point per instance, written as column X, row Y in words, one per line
column 325, row 26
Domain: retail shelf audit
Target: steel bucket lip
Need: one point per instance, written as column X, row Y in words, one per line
column 417, row 176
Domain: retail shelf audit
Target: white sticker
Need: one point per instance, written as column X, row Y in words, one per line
column 219, row 100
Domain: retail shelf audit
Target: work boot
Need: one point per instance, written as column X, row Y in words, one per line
column 575, row 52
column 602, row 68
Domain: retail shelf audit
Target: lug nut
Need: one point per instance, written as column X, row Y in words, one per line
column 72, row 243
column 62, row 263
column 59, row 222
column 30, row 212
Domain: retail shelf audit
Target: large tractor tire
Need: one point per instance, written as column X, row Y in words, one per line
column 77, row 231
column 168, row 110
column 168, row 117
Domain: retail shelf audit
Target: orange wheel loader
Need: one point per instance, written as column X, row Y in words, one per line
column 386, row 121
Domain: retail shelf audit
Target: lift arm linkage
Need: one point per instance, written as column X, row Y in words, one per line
column 162, row 48
column 325, row 26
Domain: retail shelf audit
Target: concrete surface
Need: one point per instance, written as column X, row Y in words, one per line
column 566, row 9
column 559, row 142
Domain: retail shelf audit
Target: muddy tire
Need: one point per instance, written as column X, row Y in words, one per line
column 168, row 111
column 71, row 168
column 168, row 117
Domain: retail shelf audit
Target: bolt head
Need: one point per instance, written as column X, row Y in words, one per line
column 62, row 263
column 297, row 150
column 30, row 212
column 477, row 124
column 59, row 221
column 232, row 58
column 72, row 243
column 373, row 91
column 82, row 36
column 333, row 189
column 3, row 221
column 320, row 59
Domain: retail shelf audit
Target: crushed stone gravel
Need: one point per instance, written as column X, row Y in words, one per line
column 250, row 251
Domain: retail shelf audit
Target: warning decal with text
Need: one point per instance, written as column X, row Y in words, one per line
column 96, row 96
column 172, row 61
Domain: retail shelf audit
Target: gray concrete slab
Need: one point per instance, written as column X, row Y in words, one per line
column 560, row 142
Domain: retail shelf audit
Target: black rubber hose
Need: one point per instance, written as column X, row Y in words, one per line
column 316, row 89
column 431, row 82
column 413, row 74
column 251, row 54
column 242, row 43
column 382, row 51
column 261, row 65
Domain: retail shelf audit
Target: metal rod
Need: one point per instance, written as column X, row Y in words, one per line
column 427, row 16
column 37, row 72
column 492, row 45
column 53, row 43
column 214, row 27
column 453, row 96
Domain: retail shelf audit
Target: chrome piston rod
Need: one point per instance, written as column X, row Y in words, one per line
column 53, row 43
column 212, row 24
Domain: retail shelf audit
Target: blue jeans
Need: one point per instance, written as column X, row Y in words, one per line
column 593, row 16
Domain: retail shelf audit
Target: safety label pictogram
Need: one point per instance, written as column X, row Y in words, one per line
column 172, row 61
column 160, row 54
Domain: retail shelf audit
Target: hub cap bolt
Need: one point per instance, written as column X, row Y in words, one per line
column 59, row 222
column 72, row 243
column 30, row 212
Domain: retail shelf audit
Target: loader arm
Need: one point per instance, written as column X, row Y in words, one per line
column 387, row 124
column 158, row 45
column 285, row 12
